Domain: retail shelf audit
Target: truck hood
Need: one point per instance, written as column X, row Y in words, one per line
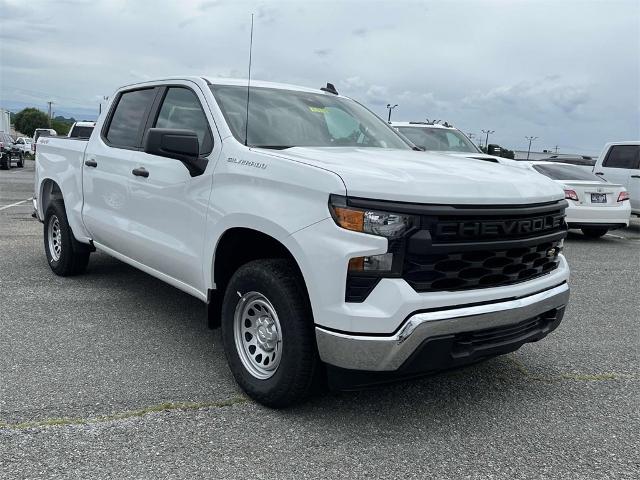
column 421, row 177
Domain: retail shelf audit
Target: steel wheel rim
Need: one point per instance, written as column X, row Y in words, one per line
column 54, row 236
column 258, row 335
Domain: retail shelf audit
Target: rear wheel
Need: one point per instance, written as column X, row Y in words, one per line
column 268, row 333
column 594, row 232
column 65, row 255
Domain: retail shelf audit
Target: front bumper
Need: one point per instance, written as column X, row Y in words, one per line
column 444, row 338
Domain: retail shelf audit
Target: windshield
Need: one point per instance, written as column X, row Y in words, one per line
column 566, row 172
column 439, row 139
column 287, row 118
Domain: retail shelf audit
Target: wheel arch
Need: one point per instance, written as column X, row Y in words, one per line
column 236, row 247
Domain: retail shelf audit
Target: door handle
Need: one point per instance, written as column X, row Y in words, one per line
column 635, row 176
column 140, row 172
column 91, row 163
column 599, row 173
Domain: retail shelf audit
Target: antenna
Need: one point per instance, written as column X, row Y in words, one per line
column 246, row 123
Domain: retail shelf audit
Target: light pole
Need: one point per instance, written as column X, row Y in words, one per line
column 531, row 139
column 390, row 107
column 486, row 140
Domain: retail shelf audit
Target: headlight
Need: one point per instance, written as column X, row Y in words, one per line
column 384, row 224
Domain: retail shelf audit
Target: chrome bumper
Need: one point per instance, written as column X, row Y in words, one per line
column 389, row 353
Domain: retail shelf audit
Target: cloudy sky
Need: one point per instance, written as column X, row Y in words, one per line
column 565, row 71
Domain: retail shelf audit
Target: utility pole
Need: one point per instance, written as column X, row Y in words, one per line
column 486, row 140
column 390, row 107
column 556, row 148
column 105, row 98
column 531, row 139
column 50, row 103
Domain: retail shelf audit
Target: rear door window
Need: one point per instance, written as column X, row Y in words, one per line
column 623, row 156
column 181, row 109
column 129, row 117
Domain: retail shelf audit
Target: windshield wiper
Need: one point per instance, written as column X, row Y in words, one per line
column 273, row 147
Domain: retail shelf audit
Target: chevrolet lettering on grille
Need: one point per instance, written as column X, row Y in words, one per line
column 498, row 228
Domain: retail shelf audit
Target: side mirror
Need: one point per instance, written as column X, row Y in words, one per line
column 180, row 145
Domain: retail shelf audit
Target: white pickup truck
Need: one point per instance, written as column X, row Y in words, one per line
column 323, row 244
column 619, row 163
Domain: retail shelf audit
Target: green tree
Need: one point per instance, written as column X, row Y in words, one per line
column 27, row 120
column 61, row 127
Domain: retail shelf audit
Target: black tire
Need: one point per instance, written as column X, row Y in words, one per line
column 594, row 232
column 73, row 256
column 298, row 372
column 5, row 162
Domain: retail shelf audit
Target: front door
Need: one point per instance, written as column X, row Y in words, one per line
column 169, row 207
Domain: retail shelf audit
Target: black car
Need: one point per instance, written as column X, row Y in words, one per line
column 9, row 152
column 583, row 160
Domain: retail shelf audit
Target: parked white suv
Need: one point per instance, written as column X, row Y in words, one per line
column 445, row 139
column 321, row 241
column 619, row 163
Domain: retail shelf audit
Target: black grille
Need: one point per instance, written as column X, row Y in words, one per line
column 480, row 268
column 479, row 248
column 465, row 247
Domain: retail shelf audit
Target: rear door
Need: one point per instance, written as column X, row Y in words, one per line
column 621, row 165
column 169, row 206
column 107, row 170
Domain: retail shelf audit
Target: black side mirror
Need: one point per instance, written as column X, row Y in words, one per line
column 180, row 145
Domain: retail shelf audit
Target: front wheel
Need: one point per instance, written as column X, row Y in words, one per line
column 65, row 255
column 594, row 232
column 268, row 333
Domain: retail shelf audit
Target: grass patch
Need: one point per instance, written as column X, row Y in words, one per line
column 163, row 407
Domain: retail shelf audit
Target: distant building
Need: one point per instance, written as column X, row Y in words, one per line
column 5, row 121
column 522, row 155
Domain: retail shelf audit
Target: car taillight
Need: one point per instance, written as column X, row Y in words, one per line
column 623, row 196
column 571, row 195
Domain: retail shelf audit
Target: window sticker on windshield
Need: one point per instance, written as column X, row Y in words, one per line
column 318, row 109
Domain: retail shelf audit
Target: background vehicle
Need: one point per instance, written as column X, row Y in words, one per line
column 81, row 129
column 583, row 161
column 320, row 240
column 9, row 152
column 42, row 132
column 595, row 205
column 434, row 137
column 619, row 162
column 24, row 145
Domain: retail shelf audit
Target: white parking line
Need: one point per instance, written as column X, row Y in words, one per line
column 17, row 203
column 607, row 235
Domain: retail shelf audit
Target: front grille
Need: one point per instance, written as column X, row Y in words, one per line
column 480, row 248
column 454, row 247
column 480, row 268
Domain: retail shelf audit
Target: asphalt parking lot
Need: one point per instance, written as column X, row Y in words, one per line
column 114, row 374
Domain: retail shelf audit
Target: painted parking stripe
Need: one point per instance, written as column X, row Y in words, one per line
column 614, row 236
column 15, row 204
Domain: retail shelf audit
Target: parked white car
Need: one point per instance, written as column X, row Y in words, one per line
column 322, row 242
column 81, row 129
column 23, row 144
column 619, row 163
column 595, row 205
